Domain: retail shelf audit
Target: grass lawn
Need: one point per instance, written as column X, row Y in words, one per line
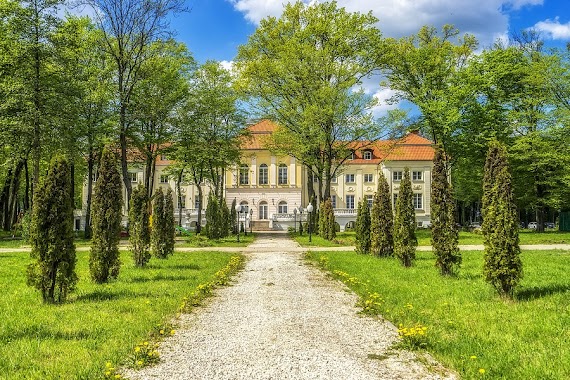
column 99, row 323
column 469, row 327
column 424, row 238
column 230, row 241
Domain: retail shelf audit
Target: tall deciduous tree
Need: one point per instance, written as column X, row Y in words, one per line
column 444, row 234
column 51, row 235
column 130, row 27
column 107, row 215
column 503, row 266
column 363, row 228
column 423, row 69
column 209, row 128
column 303, row 71
column 139, row 234
column 382, row 220
column 405, row 241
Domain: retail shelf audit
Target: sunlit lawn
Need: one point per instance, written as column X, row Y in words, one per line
column 230, row 241
column 99, row 323
column 424, row 238
column 469, row 327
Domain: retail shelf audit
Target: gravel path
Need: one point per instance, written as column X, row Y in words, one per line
column 282, row 319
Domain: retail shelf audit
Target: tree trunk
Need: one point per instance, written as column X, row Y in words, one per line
column 4, row 198
column 200, row 198
column 27, row 190
column 13, row 197
column 179, row 192
column 90, row 167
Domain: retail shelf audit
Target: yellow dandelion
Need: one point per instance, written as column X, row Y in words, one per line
column 140, row 362
column 161, row 332
column 472, row 357
column 482, row 371
column 107, row 373
column 137, row 349
column 147, row 302
column 172, row 332
column 117, row 376
column 108, row 365
column 145, row 343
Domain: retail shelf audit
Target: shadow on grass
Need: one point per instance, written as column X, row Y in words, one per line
column 530, row 294
column 159, row 277
column 104, row 295
column 177, row 266
column 41, row 333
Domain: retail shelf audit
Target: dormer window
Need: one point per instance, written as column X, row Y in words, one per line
column 367, row 155
column 352, row 156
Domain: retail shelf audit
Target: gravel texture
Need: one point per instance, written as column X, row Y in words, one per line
column 284, row 319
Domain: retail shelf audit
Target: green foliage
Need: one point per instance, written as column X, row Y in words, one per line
column 327, row 223
column 301, row 71
column 169, row 223
column 363, row 228
column 405, row 241
column 214, row 223
column 382, row 220
column 225, row 219
column 139, row 234
column 160, row 246
column 106, row 214
column 51, row 235
column 503, row 266
column 444, row 234
column 233, row 217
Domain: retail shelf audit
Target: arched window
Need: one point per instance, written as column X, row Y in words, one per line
column 282, row 174
column 263, row 174
column 282, row 207
column 244, row 175
column 244, row 206
column 367, row 155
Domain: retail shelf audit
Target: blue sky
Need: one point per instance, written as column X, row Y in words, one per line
column 213, row 29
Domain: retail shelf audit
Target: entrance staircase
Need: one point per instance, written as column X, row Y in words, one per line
column 261, row 225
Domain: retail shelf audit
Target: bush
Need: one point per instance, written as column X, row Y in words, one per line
column 405, row 241
column 363, row 228
column 51, row 235
column 139, row 235
column 106, row 215
column 382, row 220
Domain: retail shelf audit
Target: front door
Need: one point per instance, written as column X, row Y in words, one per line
column 263, row 211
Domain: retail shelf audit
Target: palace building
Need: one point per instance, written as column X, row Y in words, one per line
column 273, row 189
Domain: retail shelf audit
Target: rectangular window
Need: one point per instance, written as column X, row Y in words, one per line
column 182, row 202
column 333, row 180
column 349, row 178
column 244, row 175
column 417, row 200
column 333, row 201
column 163, row 157
column 368, row 177
column 417, row 176
column 134, row 177
column 397, row 176
column 163, row 178
column 263, row 175
column 196, row 203
column 370, row 200
column 282, row 175
column 282, row 208
column 350, row 201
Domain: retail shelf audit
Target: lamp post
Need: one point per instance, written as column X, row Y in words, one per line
column 301, row 221
column 295, row 219
column 238, row 210
column 310, row 210
column 250, row 221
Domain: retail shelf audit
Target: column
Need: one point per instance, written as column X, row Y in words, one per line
column 273, row 172
column 253, row 171
column 292, row 173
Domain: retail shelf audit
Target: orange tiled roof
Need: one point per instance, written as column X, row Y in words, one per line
column 411, row 147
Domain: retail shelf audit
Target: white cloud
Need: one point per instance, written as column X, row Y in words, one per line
column 382, row 96
column 554, row 29
column 228, row 65
column 486, row 19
